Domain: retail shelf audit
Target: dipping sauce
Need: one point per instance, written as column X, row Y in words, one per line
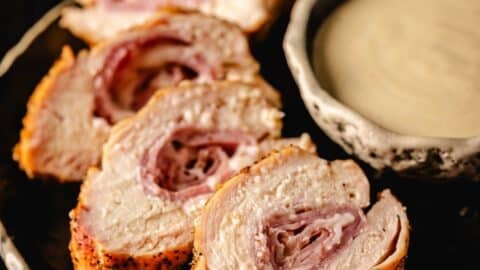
column 410, row 66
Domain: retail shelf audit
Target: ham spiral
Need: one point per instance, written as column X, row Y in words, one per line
column 72, row 110
column 160, row 166
column 293, row 210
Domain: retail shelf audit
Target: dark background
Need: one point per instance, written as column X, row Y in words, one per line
column 17, row 16
column 445, row 217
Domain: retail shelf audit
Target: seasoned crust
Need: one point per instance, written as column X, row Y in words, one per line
column 86, row 253
column 26, row 150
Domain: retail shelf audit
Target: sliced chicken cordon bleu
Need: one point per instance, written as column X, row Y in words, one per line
column 293, row 210
column 71, row 111
column 160, row 167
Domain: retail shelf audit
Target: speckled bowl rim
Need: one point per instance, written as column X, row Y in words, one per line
column 298, row 60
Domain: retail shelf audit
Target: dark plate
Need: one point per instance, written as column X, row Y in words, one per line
column 445, row 218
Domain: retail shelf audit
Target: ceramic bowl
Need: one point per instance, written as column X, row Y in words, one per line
column 426, row 157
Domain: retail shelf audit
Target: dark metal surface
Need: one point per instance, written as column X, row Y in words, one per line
column 445, row 218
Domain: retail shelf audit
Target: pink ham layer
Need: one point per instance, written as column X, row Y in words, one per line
column 178, row 166
column 135, row 69
column 301, row 240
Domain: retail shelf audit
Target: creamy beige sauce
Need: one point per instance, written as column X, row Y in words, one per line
column 410, row 66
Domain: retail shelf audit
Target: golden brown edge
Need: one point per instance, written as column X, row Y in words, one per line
column 274, row 10
column 22, row 152
column 396, row 261
column 86, row 254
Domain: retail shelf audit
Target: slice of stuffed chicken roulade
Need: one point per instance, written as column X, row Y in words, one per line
column 71, row 111
column 293, row 210
column 159, row 168
column 101, row 19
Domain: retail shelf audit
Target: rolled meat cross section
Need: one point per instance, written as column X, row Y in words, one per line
column 71, row 111
column 103, row 19
column 293, row 210
column 177, row 167
column 161, row 166
column 300, row 239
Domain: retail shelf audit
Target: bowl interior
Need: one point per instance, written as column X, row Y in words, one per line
column 319, row 12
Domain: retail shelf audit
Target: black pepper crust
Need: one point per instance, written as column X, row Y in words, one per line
column 86, row 253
